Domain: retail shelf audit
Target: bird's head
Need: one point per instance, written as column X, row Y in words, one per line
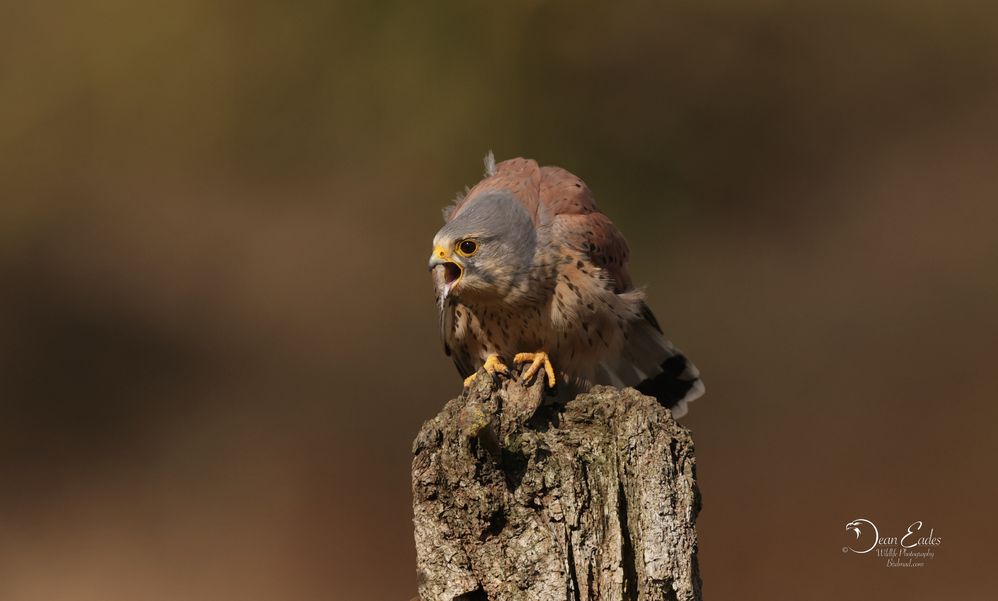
column 485, row 248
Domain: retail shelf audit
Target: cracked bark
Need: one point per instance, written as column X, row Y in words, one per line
column 516, row 496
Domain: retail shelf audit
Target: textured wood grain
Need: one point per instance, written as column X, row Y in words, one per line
column 516, row 496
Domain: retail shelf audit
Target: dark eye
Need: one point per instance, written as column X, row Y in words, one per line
column 467, row 247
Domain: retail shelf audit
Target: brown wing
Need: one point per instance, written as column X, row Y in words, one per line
column 582, row 226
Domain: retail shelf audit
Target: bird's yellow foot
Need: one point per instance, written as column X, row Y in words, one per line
column 537, row 360
column 492, row 365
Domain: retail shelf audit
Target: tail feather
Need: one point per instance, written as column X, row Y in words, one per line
column 676, row 386
column 650, row 363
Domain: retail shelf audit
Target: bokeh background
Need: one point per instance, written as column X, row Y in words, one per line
column 217, row 334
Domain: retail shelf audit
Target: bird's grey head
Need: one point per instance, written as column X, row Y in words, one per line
column 484, row 250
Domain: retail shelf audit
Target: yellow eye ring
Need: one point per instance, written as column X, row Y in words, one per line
column 466, row 248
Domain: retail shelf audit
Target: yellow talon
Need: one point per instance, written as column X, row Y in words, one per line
column 492, row 365
column 537, row 360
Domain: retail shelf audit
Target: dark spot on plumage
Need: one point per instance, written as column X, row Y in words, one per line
column 585, row 326
column 668, row 387
column 591, row 306
column 488, row 277
column 578, row 264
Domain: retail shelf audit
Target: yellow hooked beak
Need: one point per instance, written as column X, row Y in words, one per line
column 440, row 256
column 452, row 269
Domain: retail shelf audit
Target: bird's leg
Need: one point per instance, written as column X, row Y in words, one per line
column 493, row 365
column 537, row 360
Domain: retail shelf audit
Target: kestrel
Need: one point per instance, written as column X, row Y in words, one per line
column 528, row 270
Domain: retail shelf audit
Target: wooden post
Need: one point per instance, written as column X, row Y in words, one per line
column 519, row 497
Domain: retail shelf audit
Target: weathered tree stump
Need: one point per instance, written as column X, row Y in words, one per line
column 517, row 496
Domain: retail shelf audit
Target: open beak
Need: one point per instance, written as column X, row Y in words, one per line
column 451, row 270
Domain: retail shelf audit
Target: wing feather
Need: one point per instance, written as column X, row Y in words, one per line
column 582, row 226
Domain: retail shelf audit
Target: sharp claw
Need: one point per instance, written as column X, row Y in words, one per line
column 537, row 361
column 531, row 371
column 552, row 381
column 492, row 366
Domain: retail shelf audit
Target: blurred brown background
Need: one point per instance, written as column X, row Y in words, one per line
column 217, row 334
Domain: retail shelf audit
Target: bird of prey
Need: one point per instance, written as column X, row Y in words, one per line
column 528, row 270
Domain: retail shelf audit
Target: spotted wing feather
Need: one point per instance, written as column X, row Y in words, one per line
column 647, row 360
